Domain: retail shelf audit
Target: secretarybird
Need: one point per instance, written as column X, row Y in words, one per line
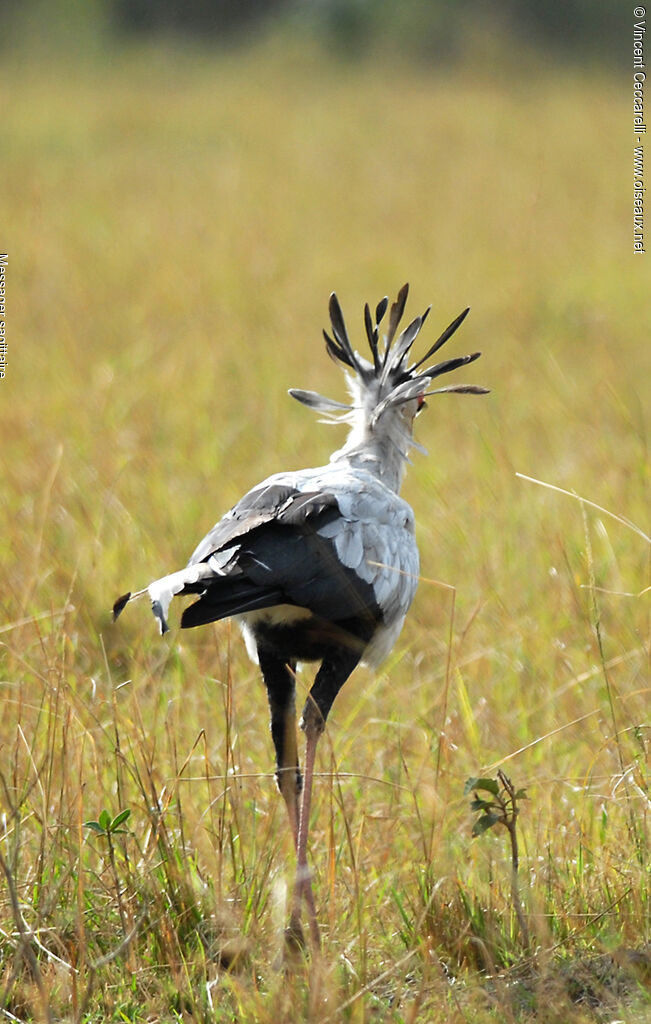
column 322, row 564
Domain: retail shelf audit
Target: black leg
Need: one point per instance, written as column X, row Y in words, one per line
column 279, row 678
column 335, row 670
column 280, row 681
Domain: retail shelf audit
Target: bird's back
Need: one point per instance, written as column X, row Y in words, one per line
column 332, row 543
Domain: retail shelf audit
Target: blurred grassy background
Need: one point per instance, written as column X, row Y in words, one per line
column 176, row 213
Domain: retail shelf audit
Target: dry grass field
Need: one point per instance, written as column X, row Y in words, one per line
column 174, row 225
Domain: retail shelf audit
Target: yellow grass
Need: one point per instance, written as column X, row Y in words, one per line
column 174, row 224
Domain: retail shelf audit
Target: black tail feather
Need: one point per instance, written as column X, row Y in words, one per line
column 220, row 602
column 121, row 604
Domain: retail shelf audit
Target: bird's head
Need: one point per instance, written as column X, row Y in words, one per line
column 387, row 391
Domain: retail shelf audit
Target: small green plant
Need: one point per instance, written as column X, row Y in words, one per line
column 501, row 808
column 108, row 828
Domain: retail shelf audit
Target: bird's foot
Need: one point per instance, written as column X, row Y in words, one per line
column 295, row 944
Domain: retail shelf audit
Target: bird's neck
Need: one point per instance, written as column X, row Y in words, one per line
column 380, row 456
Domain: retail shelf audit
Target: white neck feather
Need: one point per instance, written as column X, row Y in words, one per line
column 381, row 448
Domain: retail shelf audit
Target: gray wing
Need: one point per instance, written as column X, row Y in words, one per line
column 381, row 549
column 272, row 549
column 269, row 502
column 338, row 551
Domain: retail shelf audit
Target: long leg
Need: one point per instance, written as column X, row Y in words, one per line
column 280, row 681
column 335, row 670
column 279, row 678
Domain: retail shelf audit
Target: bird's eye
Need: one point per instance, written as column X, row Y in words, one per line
column 422, row 404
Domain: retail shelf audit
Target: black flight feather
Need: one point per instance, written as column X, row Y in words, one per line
column 459, row 389
column 340, row 332
column 336, row 352
column 372, row 335
column 447, row 333
column 450, row 364
column 395, row 316
column 120, row 604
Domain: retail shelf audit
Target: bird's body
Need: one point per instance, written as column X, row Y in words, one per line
column 332, row 545
column 321, row 564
